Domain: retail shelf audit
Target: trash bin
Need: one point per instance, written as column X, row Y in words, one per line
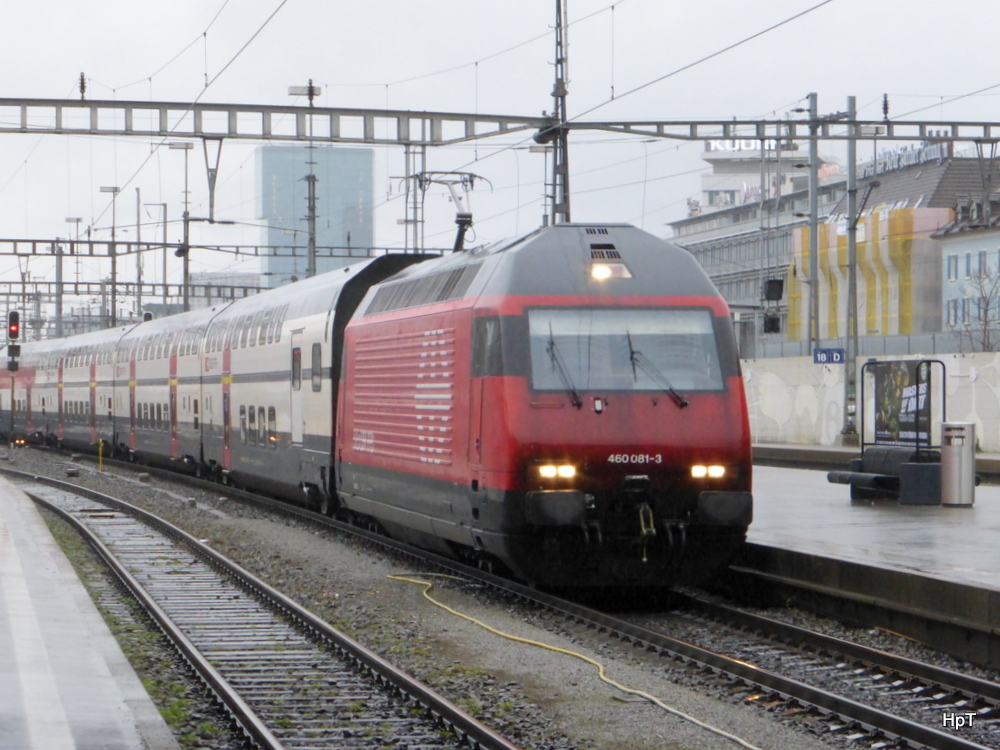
column 958, row 464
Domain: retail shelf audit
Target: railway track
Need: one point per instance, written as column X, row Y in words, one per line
column 762, row 674
column 288, row 679
column 914, row 691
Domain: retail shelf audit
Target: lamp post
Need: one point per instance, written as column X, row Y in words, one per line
column 312, row 92
column 73, row 251
column 184, row 250
column 164, row 207
column 813, row 223
column 113, row 252
column 75, row 220
column 57, row 250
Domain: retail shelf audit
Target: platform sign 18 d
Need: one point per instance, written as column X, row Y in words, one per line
column 828, row 356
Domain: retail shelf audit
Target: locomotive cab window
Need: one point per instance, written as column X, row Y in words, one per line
column 639, row 349
column 487, row 349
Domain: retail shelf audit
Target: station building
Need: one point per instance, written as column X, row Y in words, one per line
column 970, row 272
column 913, row 293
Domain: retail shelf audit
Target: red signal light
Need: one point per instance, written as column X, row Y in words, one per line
column 13, row 324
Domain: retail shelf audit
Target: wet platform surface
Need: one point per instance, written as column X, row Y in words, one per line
column 64, row 682
column 798, row 509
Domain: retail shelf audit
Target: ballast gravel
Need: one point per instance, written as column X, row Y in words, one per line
column 537, row 698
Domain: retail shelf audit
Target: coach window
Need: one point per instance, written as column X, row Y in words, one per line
column 279, row 321
column 258, row 328
column 265, row 327
column 232, row 337
column 272, row 427
column 261, row 426
column 317, row 367
column 159, row 416
column 296, row 369
column 240, row 333
column 272, row 327
column 252, row 330
column 252, row 426
column 243, row 424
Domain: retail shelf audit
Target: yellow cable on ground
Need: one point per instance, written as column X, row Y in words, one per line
column 427, row 585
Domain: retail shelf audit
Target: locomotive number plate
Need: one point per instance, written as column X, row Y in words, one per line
column 635, row 458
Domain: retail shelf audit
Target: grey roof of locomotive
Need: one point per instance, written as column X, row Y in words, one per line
column 556, row 261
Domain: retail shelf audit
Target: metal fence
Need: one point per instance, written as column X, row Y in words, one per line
column 753, row 346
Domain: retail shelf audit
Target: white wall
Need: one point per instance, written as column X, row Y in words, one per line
column 797, row 402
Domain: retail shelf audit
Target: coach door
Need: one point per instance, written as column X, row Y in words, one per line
column 296, row 388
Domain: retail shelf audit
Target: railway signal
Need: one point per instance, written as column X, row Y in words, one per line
column 13, row 333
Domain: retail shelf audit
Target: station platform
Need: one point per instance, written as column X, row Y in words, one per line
column 839, row 457
column 799, row 510
column 64, row 682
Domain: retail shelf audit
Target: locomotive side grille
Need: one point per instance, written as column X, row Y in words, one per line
column 404, row 396
column 425, row 290
column 597, row 230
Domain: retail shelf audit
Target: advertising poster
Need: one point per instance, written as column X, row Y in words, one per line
column 902, row 403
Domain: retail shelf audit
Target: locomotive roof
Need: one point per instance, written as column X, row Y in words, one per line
column 554, row 260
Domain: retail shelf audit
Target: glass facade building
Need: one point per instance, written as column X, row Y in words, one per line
column 344, row 208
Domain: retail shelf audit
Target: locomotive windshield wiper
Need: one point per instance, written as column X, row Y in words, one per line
column 640, row 360
column 563, row 372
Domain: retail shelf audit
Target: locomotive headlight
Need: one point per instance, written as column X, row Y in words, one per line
column 602, row 271
column 551, row 471
column 699, row 471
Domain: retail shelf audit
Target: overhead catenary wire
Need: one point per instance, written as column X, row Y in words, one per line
column 201, row 37
column 473, row 63
column 194, row 101
column 672, row 73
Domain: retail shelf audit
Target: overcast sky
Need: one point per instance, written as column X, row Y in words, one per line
column 472, row 56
